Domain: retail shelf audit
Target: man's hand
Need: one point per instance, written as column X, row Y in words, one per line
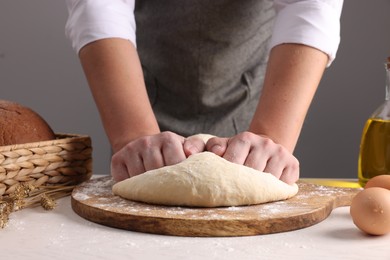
column 167, row 148
column 257, row 152
column 152, row 152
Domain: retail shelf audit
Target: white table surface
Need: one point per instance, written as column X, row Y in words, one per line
column 61, row 234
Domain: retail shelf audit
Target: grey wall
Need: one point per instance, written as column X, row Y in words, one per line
column 39, row 69
column 352, row 88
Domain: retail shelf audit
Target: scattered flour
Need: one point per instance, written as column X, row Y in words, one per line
column 98, row 193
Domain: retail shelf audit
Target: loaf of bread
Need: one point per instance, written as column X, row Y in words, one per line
column 20, row 124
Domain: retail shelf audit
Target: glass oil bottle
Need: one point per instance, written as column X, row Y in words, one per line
column 374, row 155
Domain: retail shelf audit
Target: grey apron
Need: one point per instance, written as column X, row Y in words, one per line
column 204, row 61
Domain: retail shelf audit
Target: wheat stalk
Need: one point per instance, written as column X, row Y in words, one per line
column 26, row 195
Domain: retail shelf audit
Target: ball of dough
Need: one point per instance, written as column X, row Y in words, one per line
column 204, row 180
column 19, row 124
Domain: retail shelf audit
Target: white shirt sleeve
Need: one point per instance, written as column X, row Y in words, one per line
column 91, row 20
column 315, row 23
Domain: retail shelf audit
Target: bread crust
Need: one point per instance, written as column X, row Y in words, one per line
column 20, row 124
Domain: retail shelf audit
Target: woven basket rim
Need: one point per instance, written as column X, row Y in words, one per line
column 60, row 138
column 64, row 160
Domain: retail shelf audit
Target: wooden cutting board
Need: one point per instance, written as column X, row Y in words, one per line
column 94, row 201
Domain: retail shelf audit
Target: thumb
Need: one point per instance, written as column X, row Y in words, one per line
column 217, row 145
column 193, row 145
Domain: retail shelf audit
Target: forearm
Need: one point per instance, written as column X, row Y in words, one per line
column 114, row 74
column 293, row 74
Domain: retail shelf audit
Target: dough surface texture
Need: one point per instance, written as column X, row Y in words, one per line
column 204, row 180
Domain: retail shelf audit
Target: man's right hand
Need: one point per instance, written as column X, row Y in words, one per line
column 152, row 152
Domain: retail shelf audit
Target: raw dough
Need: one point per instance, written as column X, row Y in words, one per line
column 204, row 137
column 204, row 180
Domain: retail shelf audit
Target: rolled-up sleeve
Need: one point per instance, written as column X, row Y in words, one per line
column 91, row 20
column 315, row 23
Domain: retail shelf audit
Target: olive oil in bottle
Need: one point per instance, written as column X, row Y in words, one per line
column 374, row 156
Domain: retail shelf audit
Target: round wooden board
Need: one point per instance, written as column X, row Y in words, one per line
column 94, row 201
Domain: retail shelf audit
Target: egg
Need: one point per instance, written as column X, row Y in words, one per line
column 370, row 210
column 382, row 181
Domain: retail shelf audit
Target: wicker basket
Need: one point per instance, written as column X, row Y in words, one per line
column 66, row 160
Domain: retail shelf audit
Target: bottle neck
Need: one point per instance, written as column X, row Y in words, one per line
column 383, row 112
column 387, row 67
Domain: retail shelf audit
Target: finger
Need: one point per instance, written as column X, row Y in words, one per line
column 172, row 148
column 152, row 159
column 289, row 176
column 124, row 166
column 134, row 165
column 217, row 145
column 173, row 154
column 275, row 167
column 237, row 150
column 119, row 171
column 257, row 159
column 193, row 145
column 291, row 173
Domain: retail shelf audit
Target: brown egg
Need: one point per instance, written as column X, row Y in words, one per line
column 370, row 210
column 382, row 181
